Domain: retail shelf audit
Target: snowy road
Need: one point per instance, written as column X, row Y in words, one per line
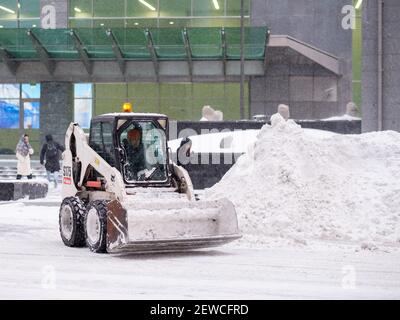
column 35, row 264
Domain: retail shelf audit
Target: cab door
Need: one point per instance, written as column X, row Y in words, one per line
column 102, row 141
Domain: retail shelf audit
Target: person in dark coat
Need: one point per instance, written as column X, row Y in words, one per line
column 50, row 158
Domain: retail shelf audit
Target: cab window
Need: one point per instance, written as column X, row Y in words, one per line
column 101, row 141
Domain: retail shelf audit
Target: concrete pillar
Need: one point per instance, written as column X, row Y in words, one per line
column 390, row 64
column 56, row 109
column 56, row 98
column 369, row 95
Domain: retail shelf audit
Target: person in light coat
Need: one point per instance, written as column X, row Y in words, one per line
column 23, row 152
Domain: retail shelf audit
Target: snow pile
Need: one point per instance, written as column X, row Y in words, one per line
column 296, row 187
column 220, row 142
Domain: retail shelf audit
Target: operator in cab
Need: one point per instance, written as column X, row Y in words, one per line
column 134, row 148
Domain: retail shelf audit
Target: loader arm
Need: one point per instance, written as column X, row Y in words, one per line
column 78, row 150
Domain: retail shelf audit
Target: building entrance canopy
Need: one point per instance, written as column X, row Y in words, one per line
column 131, row 46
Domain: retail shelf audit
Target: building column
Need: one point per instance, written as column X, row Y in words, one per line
column 390, row 60
column 56, row 98
column 56, row 109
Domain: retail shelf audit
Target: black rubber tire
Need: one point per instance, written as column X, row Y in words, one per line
column 77, row 207
column 101, row 210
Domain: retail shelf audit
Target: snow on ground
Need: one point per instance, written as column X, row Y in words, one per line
column 35, row 264
column 296, row 188
column 308, row 203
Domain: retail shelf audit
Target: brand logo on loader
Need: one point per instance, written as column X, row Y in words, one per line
column 67, row 173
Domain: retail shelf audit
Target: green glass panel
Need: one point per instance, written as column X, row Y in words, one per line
column 146, row 105
column 218, row 22
column 177, row 23
column 108, row 23
column 168, row 43
column 209, row 8
column 254, row 42
column 58, row 43
column 233, row 7
column 141, row 8
column 81, row 8
column 9, row 138
column 80, row 23
column 108, row 105
column 107, row 8
column 8, row 9
column 110, row 90
column 357, row 49
column 29, row 8
column 208, row 90
column 29, row 23
column 96, row 42
column 8, row 24
column 176, row 91
column 175, row 8
column 176, row 109
column 17, row 43
column 205, row 42
column 141, row 23
column 132, row 43
column 142, row 90
column 357, row 87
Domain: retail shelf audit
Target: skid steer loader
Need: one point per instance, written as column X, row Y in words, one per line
column 122, row 197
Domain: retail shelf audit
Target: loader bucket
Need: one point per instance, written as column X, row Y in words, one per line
column 170, row 226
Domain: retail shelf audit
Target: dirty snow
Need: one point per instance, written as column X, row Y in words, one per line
column 35, row 264
column 295, row 188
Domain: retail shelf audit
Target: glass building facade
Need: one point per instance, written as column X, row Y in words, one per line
column 180, row 101
column 156, row 13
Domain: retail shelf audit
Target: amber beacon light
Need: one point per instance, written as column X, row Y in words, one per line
column 127, row 107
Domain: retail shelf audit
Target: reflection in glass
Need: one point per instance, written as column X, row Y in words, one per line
column 233, row 8
column 31, row 115
column 209, row 8
column 31, row 91
column 9, row 90
column 8, row 24
column 29, row 23
column 80, row 8
column 9, row 114
column 8, row 9
column 141, row 23
column 135, row 8
column 83, row 90
column 177, row 8
column 107, row 8
column 108, row 23
column 83, row 112
column 29, row 8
